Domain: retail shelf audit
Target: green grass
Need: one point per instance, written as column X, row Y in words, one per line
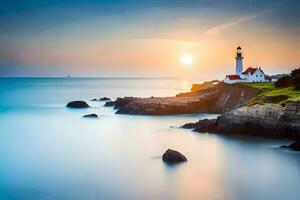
column 263, row 86
column 268, row 89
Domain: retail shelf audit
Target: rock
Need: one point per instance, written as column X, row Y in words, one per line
column 109, row 104
column 202, row 126
column 90, row 116
column 77, row 104
column 162, row 106
column 258, row 120
column 294, row 146
column 275, row 99
column 206, row 125
column 215, row 99
column 189, row 125
column 284, row 146
column 104, row 99
column 121, row 102
column 172, row 157
column 267, row 120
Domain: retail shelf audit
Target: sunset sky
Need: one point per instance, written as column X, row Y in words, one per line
column 146, row 38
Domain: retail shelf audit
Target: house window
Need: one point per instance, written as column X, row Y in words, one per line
column 256, row 75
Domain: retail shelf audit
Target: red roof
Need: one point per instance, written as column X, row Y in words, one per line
column 233, row 77
column 251, row 70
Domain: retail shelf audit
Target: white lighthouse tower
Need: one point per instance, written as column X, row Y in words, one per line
column 239, row 61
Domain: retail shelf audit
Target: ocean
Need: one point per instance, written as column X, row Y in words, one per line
column 50, row 152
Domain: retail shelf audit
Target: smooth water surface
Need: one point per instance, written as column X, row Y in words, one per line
column 50, row 152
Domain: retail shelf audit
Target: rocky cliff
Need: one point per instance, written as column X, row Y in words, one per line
column 216, row 99
column 269, row 119
column 165, row 106
column 259, row 120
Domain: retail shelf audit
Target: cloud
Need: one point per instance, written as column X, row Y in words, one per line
column 216, row 30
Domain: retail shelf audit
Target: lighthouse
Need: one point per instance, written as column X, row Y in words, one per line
column 251, row 74
column 239, row 61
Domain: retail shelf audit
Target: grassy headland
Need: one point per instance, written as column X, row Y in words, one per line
column 268, row 89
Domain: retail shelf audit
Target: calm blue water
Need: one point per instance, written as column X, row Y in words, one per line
column 50, row 152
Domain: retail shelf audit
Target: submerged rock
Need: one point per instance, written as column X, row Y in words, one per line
column 104, row 99
column 94, row 99
column 77, row 104
column 90, row 116
column 172, row 157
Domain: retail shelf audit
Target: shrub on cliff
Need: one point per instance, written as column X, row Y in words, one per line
column 283, row 81
column 295, row 72
column 295, row 79
column 287, row 81
column 297, row 86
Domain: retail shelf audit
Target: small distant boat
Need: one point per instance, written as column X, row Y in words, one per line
column 69, row 76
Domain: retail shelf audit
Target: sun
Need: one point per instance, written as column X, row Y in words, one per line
column 187, row 60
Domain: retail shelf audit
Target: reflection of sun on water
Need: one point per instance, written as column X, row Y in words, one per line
column 186, row 85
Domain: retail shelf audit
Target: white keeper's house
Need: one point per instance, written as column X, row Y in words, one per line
column 252, row 74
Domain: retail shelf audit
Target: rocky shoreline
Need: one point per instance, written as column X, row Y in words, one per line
column 267, row 120
column 216, row 99
column 270, row 119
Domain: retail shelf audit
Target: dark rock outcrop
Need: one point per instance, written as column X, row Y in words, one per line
column 275, row 99
column 104, row 99
column 295, row 145
column 120, row 102
column 206, row 125
column 262, row 99
column 189, row 125
column 77, row 104
column 253, row 120
column 266, row 120
column 202, row 126
column 161, row 106
column 217, row 99
column 90, row 116
column 109, row 104
column 262, row 120
column 173, row 157
column 291, row 118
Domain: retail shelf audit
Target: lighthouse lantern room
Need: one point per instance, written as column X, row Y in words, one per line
column 239, row 61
